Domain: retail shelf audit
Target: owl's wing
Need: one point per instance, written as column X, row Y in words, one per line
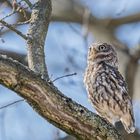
column 124, row 101
column 120, row 90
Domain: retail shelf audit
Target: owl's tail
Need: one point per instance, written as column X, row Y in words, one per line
column 128, row 122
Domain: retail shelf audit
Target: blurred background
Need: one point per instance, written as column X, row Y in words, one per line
column 74, row 25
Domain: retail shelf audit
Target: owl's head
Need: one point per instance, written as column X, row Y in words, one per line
column 102, row 52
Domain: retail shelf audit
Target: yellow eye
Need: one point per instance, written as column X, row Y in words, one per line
column 102, row 48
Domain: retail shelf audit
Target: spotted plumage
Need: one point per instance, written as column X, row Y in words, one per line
column 106, row 87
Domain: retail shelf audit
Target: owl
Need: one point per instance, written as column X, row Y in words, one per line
column 106, row 88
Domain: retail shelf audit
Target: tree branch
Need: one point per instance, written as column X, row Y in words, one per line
column 14, row 55
column 38, row 28
column 124, row 20
column 131, row 68
column 13, row 29
column 76, row 14
column 51, row 104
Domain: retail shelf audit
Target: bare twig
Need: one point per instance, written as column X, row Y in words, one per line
column 10, row 14
column 28, row 3
column 13, row 29
column 74, row 29
column 85, row 26
column 13, row 11
column 122, row 8
column 12, row 103
column 22, row 23
column 67, row 75
column 86, row 17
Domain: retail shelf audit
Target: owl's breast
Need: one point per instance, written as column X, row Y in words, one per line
column 89, row 80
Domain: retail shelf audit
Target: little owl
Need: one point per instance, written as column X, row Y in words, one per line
column 106, row 87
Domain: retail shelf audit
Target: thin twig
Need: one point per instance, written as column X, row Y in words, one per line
column 85, row 25
column 28, row 3
column 67, row 75
column 13, row 12
column 13, row 29
column 12, row 103
column 74, row 29
column 10, row 14
column 22, row 23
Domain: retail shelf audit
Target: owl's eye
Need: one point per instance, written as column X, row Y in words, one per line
column 102, row 47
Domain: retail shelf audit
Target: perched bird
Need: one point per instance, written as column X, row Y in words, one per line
column 107, row 89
